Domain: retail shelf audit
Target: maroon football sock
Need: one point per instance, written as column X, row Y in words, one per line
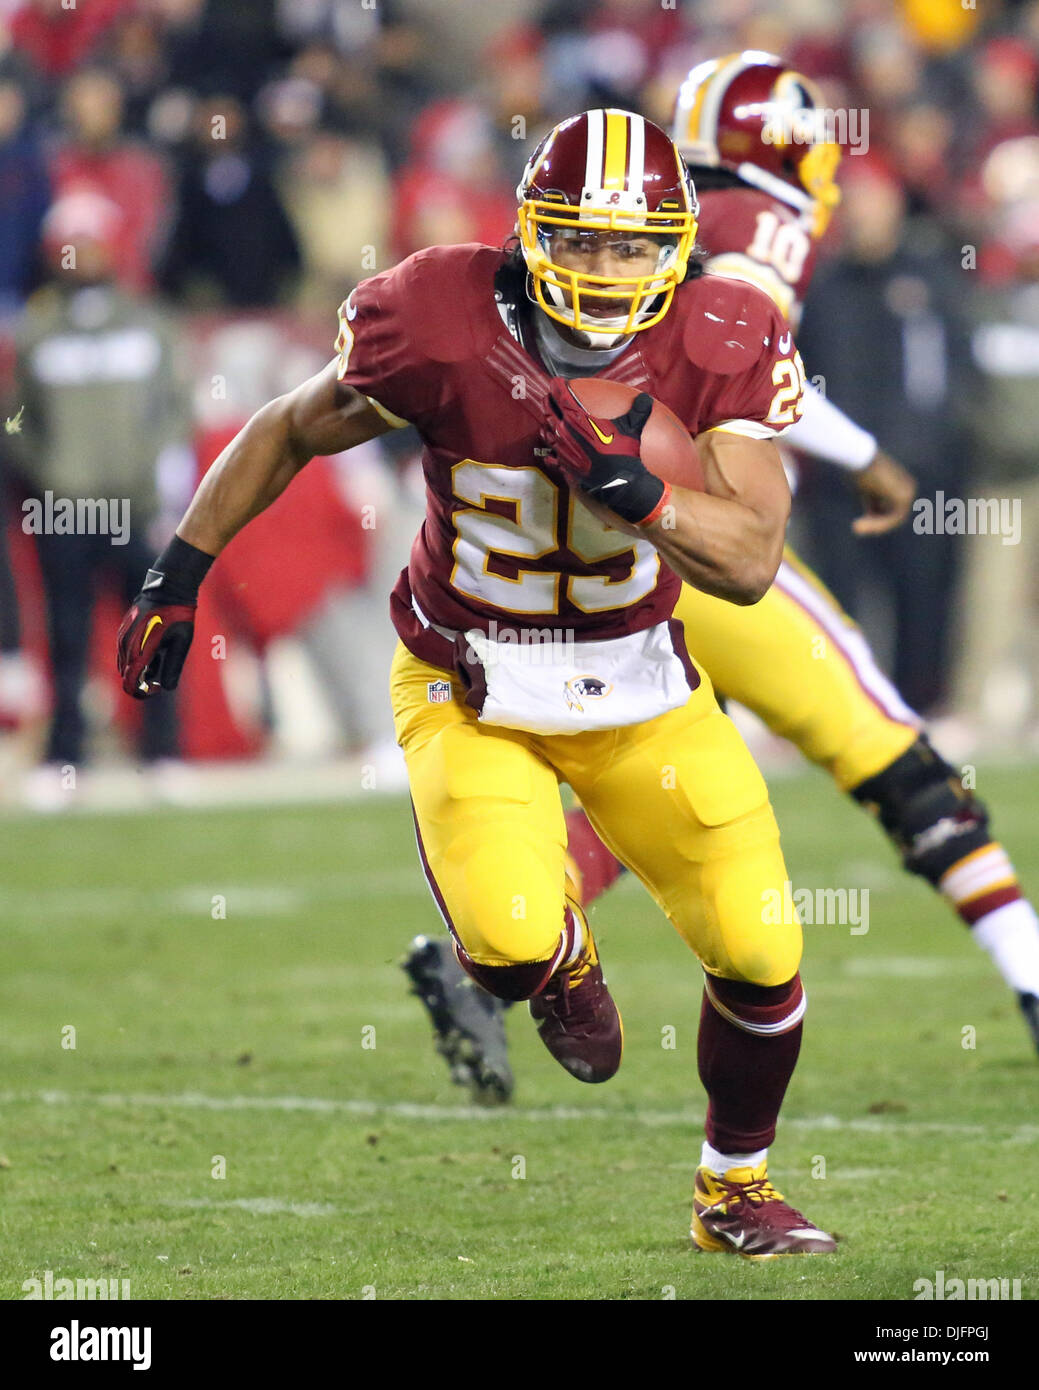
column 750, row 1036
column 598, row 866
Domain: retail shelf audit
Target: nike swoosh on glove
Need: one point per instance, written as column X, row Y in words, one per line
column 153, row 644
column 602, row 457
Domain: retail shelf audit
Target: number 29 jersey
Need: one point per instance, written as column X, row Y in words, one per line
column 445, row 341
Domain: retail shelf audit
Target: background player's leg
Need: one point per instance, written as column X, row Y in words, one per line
column 490, row 831
column 799, row 663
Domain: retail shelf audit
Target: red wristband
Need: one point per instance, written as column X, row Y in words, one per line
column 665, row 498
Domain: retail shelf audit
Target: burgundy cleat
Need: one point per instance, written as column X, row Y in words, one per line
column 744, row 1214
column 578, row 1021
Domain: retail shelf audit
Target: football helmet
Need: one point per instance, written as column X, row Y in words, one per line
column 606, row 171
column 750, row 114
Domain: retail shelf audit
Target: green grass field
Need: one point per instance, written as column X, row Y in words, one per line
column 353, row 1168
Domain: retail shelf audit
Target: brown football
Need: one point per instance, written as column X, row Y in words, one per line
column 668, row 449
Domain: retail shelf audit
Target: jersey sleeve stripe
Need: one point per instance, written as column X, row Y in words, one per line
column 753, row 429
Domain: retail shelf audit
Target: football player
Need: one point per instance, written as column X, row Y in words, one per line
column 751, row 131
column 452, row 341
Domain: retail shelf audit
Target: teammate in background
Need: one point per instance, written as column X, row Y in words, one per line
column 750, row 131
column 607, row 223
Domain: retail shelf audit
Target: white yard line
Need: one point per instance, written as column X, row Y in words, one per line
column 258, row 1206
column 1009, row 1133
column 256, row 899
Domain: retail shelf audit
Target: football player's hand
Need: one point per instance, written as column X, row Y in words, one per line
column 153, row 643
column 156, row 633
column 886, row 491
column 602, row 456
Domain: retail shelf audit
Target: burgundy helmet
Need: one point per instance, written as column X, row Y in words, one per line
column 606, row 172
column 751, row 114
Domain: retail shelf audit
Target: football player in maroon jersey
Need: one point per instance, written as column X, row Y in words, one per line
column 516, row 590
column 753, row 134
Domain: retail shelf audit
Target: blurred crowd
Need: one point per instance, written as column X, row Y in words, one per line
column 189, row 188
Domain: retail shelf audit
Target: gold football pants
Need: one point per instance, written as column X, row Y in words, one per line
column 799, row 663
column 678, row 799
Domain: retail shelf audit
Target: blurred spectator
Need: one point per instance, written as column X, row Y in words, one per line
column 217, row 46
column 98, row 386
column 1005, row 75
column 337, row 195
column 96, row 158
column 922, row 150
column 21, row 685
column 453, row 189
column 602, row 54
column 137, row 57
column 232, row 239
column 58, row 36
column 24, row 196
column 880, row 328
column 371, row 61
column 998, row 682
column 517, row 95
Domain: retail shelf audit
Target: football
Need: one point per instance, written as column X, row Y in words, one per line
column 668, row 449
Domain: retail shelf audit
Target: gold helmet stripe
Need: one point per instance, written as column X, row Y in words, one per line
column 692, row 130
column 616, row 160
column 714, row 90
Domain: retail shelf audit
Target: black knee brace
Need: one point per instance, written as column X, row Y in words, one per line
column 922, row 804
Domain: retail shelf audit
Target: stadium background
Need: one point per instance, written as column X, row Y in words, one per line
column 222, row 967
column 243, row 166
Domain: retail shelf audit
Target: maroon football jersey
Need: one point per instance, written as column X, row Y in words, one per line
column 444, row 341
column 749, row 234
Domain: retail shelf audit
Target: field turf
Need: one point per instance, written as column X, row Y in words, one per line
column 355, row 1171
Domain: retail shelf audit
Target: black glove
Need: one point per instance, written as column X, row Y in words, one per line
column 156, row 632
column 602, row 456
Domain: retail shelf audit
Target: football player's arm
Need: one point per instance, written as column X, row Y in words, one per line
column 323, row 416
column 823, row 431
column 885, row 488
column 727, row 541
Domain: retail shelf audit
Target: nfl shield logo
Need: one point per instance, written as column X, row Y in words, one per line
column 439, row 692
